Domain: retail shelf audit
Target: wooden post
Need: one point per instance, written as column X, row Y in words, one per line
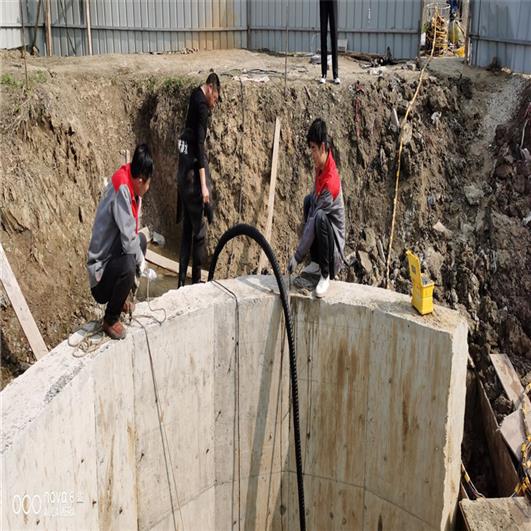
column 20, row 306
column 286, row 52
column 271, row 201
column 48, row 26
column 23, row 41
column 470, row 10
column 89, row 28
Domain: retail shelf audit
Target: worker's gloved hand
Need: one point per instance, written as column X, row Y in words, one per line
column 149, row 273
column 292, row 265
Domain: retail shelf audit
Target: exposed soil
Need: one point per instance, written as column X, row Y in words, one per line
column 464, row 192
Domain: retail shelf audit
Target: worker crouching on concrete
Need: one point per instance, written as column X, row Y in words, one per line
column 193, row 179
column 116, row 251
column 323, row 235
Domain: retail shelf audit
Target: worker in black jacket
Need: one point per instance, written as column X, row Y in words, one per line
column 328, row 12
column 193, row 179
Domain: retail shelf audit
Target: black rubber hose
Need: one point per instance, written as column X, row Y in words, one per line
column 247, row 230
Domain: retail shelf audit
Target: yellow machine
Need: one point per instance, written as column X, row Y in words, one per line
column 422, row 290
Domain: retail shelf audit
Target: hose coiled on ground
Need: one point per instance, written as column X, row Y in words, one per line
column 251, row 232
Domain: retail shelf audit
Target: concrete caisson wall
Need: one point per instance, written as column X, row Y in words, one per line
column 382, row 408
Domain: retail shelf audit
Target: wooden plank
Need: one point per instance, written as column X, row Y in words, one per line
column 504, row 471
column 512, row 427
column 495, row 514
column 170, row 265
column 48, row 27
column 512, row 430
column 509, row 379
column 272, row 187
column 507, row 376
column 20, row 306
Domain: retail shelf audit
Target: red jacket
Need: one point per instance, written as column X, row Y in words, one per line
column 123, row 176
column 328, row 179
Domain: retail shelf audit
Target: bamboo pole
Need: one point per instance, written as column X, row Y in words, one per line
column 48, row 26
column 89, row 28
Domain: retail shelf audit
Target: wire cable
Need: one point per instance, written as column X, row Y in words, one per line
column 251, row 232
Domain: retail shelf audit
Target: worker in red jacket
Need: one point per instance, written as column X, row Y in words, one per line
column 116, row 251
column 323, row 235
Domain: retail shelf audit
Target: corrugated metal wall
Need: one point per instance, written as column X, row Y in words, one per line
column 127, row 26
column 11, row 24
column 368, row 25
column 130, row 26
column 502, row 29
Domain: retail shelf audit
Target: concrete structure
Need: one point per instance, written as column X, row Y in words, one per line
column 382, row 396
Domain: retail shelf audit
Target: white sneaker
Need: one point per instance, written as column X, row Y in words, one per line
column 322, row 80
column 322, row 287
column 312, row 269
column 337, row 81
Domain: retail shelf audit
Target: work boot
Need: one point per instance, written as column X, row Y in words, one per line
column 114, row 331
column 322, row 287
column 312, row 269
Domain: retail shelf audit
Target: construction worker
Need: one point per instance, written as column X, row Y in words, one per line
column 116, row 251
column 328, row 12
column 324, row 214
column 193, row 179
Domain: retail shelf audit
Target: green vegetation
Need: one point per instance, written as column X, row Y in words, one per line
column 9, row 80
column 174, row 85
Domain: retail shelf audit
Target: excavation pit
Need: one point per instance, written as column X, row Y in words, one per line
column 382, row 398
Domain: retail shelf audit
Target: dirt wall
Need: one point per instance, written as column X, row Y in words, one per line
column 66, row 135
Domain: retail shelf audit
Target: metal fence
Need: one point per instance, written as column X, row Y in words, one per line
column 501, row 29
column 369, row 26
column 128, row 26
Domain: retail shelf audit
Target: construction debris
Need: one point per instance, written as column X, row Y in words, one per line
column 437, row 31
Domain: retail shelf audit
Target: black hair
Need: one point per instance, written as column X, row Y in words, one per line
column 213, row 81
column 142, row 164
column 318, row 133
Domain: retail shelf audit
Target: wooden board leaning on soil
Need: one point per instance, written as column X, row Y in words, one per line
column 9, row 281
column 515, row 425
column 272, row 187
column 167, row 263
column 504, row 470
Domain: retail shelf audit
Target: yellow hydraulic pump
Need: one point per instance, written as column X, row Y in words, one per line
column 422, row 290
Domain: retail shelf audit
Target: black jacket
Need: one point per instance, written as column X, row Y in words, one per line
column 196, row 126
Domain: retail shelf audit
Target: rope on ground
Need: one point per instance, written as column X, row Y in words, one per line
column 94, row 328
column 86, row 345
column 237, row 391
column 399, row 156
